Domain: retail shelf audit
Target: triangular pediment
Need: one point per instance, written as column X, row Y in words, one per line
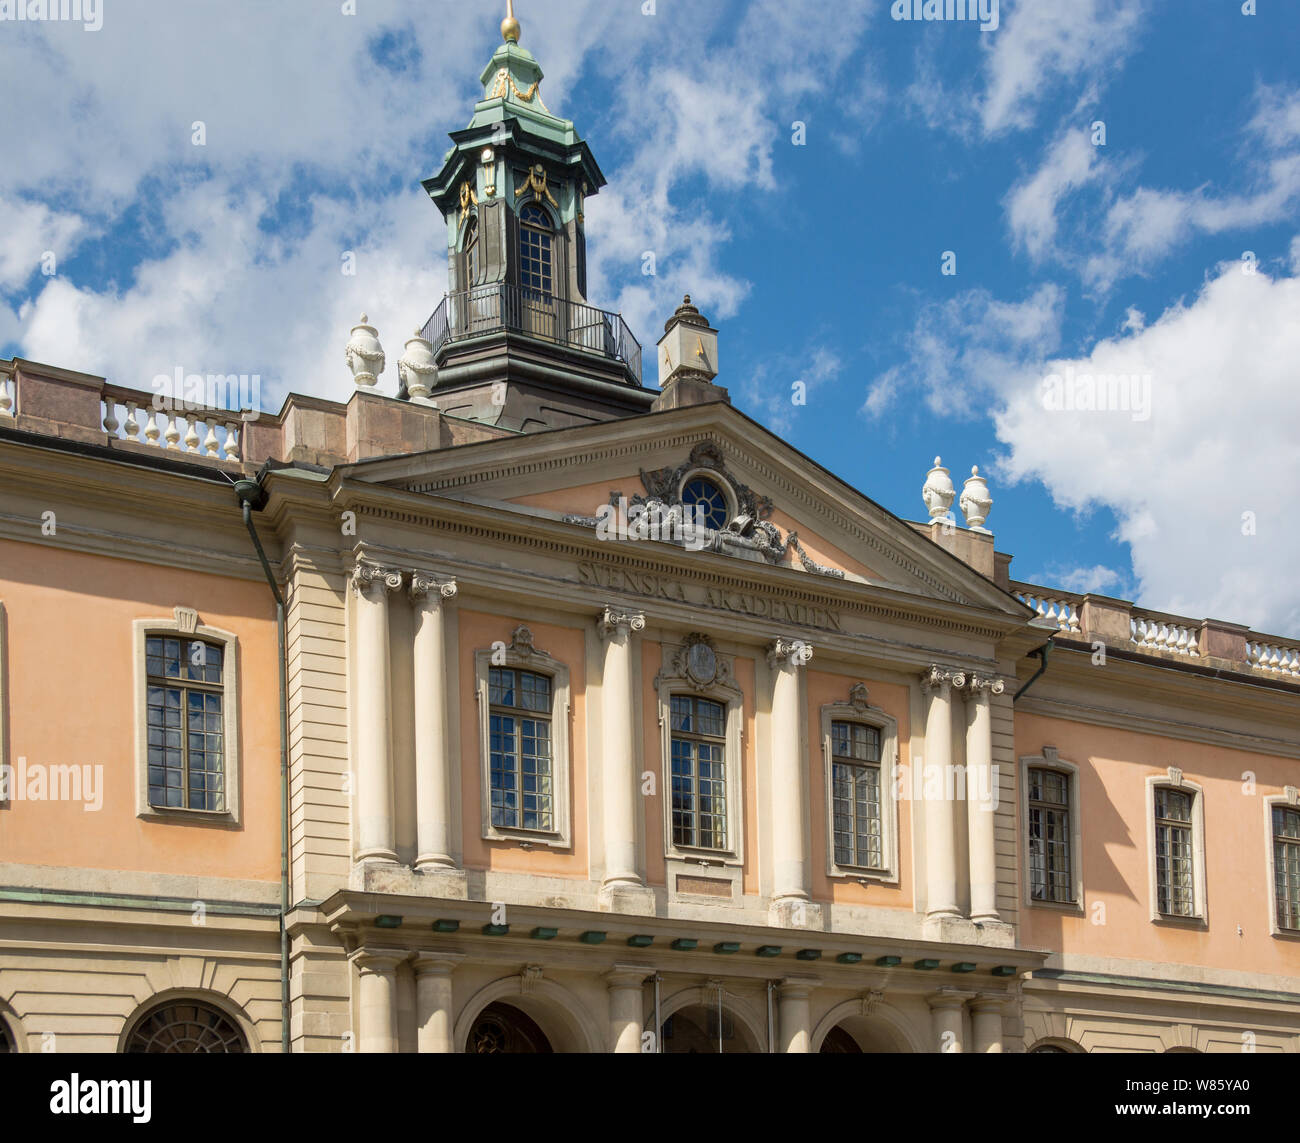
column 782, row 509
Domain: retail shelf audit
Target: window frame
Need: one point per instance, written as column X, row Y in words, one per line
column 520, row 714
column 184, row 625
column 673, row 679
column 858, row 710
column 1050, row 759
column 697, row 738
column 1288, row 800
column 1173, row 779
column 720, row 482
column 521, row 654
column 534, row 293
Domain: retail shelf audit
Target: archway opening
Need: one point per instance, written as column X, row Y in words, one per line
column 504, row 1029
column 185, row 1027
column 703, row 1029
column 862, row 1034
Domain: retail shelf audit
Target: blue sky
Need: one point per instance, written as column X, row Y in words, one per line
column 818, row 262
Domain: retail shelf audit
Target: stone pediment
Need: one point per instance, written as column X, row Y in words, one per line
column 642, row 480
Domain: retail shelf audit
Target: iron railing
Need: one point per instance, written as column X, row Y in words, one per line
column 489, row 309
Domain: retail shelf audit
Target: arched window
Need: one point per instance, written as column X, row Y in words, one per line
column 186, row 1027
column 536, row 238
column 471, row 250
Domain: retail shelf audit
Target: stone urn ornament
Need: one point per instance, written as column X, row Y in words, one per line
column 975, row 500
column 365, row 356
column 417, row 370
column 938, row 491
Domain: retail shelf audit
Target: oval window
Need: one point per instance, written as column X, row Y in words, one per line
column 704, row 497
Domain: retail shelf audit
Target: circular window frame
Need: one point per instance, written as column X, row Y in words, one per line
column 720, row 483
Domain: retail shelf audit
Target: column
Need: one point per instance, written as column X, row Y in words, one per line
column 626, row 1005
column 374, row 764
column 986, row 1022
column 618, row 755
column 946, row 1018
column 435, row 1012
column 980, row 799
column 794, row 1014
column 789, row 787
column 377, row 999
column 940, row 851
column 433, row 767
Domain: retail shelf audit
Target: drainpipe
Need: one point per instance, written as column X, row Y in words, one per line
column 659, row 1020
column 1042, row 653
column 253, row 497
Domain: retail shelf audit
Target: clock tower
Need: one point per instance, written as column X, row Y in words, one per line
column 516, row 341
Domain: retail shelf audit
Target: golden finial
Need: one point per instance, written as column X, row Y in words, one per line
column 510, row 26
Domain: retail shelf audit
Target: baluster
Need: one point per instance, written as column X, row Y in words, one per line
column 151, row 429
column 131, row 426
column 1193, row 644
column 232, row 445
column 191, row 434
column 1075, row 627
column 210, row 444
column 1181, row 645
column 110, row 416
column 6, row 399
column 173, row 433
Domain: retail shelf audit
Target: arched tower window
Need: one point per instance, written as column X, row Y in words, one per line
column 472, row 253
column 536, row 240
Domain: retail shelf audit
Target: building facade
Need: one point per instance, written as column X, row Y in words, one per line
column 566, row 712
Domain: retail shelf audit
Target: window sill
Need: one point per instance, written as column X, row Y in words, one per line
column 516, row 837
column 1174, row 922
column 216, row 818
column 1069, row 908
column 694, row 857
column 1286, row 934
column 886, row 877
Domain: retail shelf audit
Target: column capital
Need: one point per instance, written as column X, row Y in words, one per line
column 627, row 975
column 433, row 962
column 378, row 960
column 427, row 585
column 615, row 623
column 989, row 1001
column 947, row 998
column 982, row 687
column 795, row 653
column 935, row 677
column 367, row 575
column 799, row 987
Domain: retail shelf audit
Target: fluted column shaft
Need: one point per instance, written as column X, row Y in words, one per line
column 618, row 755
column 982, row 841
column 789, row 789
column 940, row 817
column 373, row 752
column 433, row 766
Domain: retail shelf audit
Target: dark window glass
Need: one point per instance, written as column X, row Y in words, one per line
column 1050, row 860
column 186, row 724
column 186, row 1027
column 1174, row 876
column 708, row 497
column 699, row 803
column 536, row 238
column 519, row 750
column 1286, row 865
column 855, row 802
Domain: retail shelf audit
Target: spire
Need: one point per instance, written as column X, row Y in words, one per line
column 510, row 26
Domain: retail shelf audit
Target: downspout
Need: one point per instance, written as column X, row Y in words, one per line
column 251, row 496
column 659, row 1022
column 771, row 1043
column 1042, row 653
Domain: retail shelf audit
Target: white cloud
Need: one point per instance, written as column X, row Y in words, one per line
column 770, row 389
column 1070, row 162
column 31, row 229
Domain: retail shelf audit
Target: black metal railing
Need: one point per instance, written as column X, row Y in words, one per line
column 488, row 309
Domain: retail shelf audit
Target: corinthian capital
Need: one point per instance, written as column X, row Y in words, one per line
column 794, row 652
column 365, row 576
column 426, row 584
column 614, row 622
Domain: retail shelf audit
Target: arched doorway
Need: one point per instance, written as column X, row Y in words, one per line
column 839, row 1042
column 185, row 1027
column 503, row 1029
column 700, row 1029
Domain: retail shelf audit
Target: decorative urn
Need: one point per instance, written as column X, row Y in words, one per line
column 938, row 491
column 417, row 369
column 365, row 356
column 975, row 500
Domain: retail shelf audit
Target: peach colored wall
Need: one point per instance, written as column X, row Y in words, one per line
column 72, row 702
column 586, row 500
column 478, row 632
column 1113, row 768
column 656, row 806
column 894, row 701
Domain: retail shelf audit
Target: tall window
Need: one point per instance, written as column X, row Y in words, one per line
column 699, row 773
column 535, row 240
column 471, row 253
column 522, row 783
column 1286, row 865
column 1175, row 878
column 1050, row 875
column 186, row 723
column 855, row 784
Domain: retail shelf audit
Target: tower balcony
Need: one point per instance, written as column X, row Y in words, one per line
column 543, row 318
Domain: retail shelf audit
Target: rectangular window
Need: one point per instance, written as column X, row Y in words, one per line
column 523, row 793
column 1050, row 874
column 1286, row 866
column 1175, row 886
column 186, row 723
column 855, row 785
column 699, row 773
